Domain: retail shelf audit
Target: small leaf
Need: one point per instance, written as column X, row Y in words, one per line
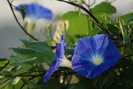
column 92, row 32
column 113, row 29
column 104, row 7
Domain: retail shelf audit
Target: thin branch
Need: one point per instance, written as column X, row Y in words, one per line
column 128, row 55
column 12, row 1
column 85, row 3
column 10, row 4
column 54, row 74
column 18, row 75
column 24, row 74
column 63, row 73
column 87, row 11
column 12, row 77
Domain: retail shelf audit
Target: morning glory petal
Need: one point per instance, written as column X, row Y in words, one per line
column 94, row 55
column 51, row 70
column 59, row 60
column 36, row 11
column 60, row 48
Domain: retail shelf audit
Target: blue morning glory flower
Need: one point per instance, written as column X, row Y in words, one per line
column 59, row 60
column 94, row 55
column 36, row 11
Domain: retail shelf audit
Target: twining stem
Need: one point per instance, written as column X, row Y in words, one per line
column 10, row 4
column 128, row 55
column 38, row 75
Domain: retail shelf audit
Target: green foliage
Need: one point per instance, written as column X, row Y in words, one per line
column 32, row 53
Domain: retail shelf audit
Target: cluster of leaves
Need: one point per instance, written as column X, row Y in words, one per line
column 26, row 68
column 27, row 62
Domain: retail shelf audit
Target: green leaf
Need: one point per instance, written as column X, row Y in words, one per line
column 6, row 85
column 37, row 45
column 78, row 24
column 6, row 73
column 41, row 46
column 113, row 29
column 28, row 53
column 26, row 62
column 107, row 80
column 3, row 62
column 3, row 59
column 92, row 32
column 127, row 17
column 104, row 7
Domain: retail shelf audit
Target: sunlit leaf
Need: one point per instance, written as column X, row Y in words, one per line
column 78, row 23
column 104, row 7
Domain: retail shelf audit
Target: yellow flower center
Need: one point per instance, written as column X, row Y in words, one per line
column 97, row 60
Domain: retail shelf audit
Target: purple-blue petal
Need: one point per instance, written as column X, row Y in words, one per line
column 37, row 11
column 89, row 47
column 59, row 54
column 60, row 48
column 51, row 70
